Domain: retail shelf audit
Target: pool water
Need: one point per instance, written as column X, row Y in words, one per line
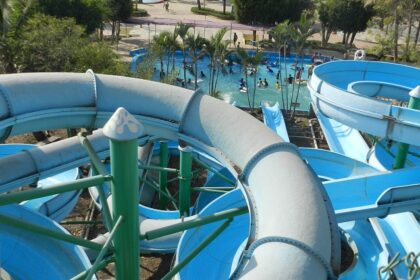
column 228, row 85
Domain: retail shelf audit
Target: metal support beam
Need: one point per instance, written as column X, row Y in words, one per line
column 185, row 177
column 50, row 233
column 163, row 174
column 401, row 156
column 199, row 221
column 197, row 250
column 123, row 130
column 18, row 197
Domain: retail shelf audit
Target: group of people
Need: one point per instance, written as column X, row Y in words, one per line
column 262, row 83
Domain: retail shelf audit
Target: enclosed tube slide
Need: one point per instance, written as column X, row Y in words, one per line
column 284, row 196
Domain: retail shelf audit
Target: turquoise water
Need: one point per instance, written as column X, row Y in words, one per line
column 228, row 84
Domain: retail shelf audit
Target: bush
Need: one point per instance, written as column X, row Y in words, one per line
column 211, row 12
column 140, row 13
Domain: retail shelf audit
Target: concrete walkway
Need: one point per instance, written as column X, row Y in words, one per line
column 139, row 31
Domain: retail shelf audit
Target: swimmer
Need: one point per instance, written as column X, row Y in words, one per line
column 202, row 75
column 265, row 83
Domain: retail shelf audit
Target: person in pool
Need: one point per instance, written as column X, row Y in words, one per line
column 290, row 79
column 265, row 83
column 202, row 75
column 260, row 83
column 242, row 83
column 278, row 86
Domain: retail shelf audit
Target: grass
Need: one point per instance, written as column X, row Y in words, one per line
column 212, row 12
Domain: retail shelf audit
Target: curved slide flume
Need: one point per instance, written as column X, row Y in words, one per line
column 333, row 86
column 349, row 96
column 40, row 101
column 56, row 207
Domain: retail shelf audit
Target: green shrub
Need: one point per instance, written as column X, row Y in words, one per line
column 140, row 13
column 211, row 12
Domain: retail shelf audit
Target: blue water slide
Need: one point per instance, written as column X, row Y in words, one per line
column 223, row 262
column 273, row 119
column 253, row 153
column 56, row 207
column 332, row 88
column 29, row 256
column 349, row 96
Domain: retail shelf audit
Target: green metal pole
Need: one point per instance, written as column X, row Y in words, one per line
column 50, row 233
column 185, row 157
column 104, row 250
column 123, row 130
column 18, row 197
column 199, row 221
column 163, row 175
column 401, row 157
column 197, row 250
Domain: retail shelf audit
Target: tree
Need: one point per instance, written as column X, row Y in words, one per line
column 410, row 7
column 199, row 4
column 281, row 35
column 118, row 10
column 182, row 33
column 159, row 48
column 99, row 57
column 89, row 13
column 217, row 51
column 59, row 45
column 300, row 32
column 49, row 44
column 328, row 12
column 248, row 61
column 353, row 17
column 13, row 16
column 269, row 11
column 195, row 51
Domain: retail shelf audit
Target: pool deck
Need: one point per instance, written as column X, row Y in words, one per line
column 137, row 32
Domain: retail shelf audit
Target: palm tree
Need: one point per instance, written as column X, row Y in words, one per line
column 195, row 50
column 243, row 55
column 217, row 50
column 253, row 62
column 281, row 36
column 159, row 48
column 12, row 16
column 300, row 32
column 182, row 33
column 172, row 45
column 6, row 8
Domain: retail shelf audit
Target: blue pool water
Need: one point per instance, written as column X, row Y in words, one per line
column 228, row 85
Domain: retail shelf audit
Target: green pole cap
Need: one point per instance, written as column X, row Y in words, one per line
column 122, row 126
column 415, row 92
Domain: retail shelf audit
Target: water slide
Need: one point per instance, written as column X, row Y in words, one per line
column 349, row 96
column 273, row 119
column 25, row 255
column 280, row 245
column 151, row 218
column 56, row 207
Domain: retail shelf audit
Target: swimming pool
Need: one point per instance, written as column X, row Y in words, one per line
column 228, row 84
